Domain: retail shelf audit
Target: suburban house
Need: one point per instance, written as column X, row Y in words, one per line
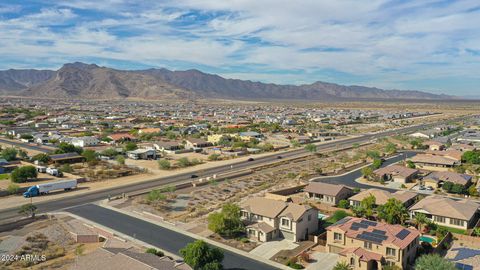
column 149, row 130
column 269, row 219
column 434, row 162
column 447, row 212
column 396, row 173
column 250, row 135
column 122, row 137
column 192, row 143
column 434, row 145
column 436, row 179
column 67, row 158
column 142, row 154
column 327, row 193
column 382, row 196
column 168, row 146
column 369, row 245
column 85, row 141
column 126, row 259
column 427, row 134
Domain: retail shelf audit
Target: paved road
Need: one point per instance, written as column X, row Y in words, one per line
column 158, row 236
column 349, row 178
column 26, row 146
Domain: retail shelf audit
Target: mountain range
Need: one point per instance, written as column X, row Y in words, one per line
column 80, row 80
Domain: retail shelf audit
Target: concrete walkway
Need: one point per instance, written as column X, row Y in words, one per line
column 269, row 249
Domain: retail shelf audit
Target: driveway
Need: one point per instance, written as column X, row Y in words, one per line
column 322, row 260
column 269, row 249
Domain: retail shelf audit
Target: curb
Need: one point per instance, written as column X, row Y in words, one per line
column 194, row 236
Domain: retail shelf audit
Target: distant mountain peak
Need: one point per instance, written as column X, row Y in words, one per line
column 81, row 80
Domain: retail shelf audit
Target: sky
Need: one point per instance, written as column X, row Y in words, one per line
column 424, row 45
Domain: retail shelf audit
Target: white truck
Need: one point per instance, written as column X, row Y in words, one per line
column 41, row 189
column 53, row 172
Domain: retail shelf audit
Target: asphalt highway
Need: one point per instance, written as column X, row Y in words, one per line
column 76, row 200
column 158, row 236
column 26, row 146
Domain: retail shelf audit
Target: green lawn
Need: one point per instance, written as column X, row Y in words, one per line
column 4, row 176
column 454, row 230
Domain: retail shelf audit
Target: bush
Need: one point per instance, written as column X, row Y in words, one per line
column 153, row 251
column 66, row 168
column 164, row 164
column 22, row 174
column 9, row 153
column 13, row 188
column 338, row 215
column 343, row 204
column 214, row 157
column 292, row 263
column 156, row 195
column 42, row 158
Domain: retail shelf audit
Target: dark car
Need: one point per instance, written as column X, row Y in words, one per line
column 194, row 176
column 250, row 159
column 279, row 157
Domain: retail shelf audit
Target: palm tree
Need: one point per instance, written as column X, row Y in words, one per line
column 420, row 220
column 342, row 265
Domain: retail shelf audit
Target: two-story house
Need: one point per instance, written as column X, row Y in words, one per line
column 367, row 245
column 269, row 219
column 444, row 211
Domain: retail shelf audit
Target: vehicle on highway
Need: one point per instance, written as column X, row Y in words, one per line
column 279, row 157
column 42, row 189
column 193, row 176
column 250, row 159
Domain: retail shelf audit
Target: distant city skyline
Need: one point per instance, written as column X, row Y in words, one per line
column 430, row 45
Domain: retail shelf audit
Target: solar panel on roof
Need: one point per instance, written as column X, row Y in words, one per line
column 379, row 232
column 403, row 233
column 370, row 237
column 379, row 236
column 462, row 266
column 368, row 223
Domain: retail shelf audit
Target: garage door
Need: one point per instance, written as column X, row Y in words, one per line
column 287, row 235
column 334, row 249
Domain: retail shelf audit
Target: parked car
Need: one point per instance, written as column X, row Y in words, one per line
column 250, row 159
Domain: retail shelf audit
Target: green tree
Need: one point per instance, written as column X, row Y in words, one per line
column 433, row 262
column 89, row 155
column 109, row 152
column 367, row 172
column 199, row 254
column 183, row 162
column 338, row 215
column 9, row 153
column 393, row 212
column 373, row 154
column 410, row 164
column 342, row 265
column 22, row 174
column 156, row 196
column 22, row 154
column 226, row 222
column 377, row 163
column 64, row 147
column 368, row 204
column 344, row 204
column 420, row 219
column 472, row 190
column 214, row 157
column 164, row 164
column 28, row 210
column 42, row 158
column 130, row 146
column 472, row 157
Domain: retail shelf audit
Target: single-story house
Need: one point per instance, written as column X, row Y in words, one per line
column 168, row 146
column 142, row 154
column 196, row 143
column 85, row 141
column 434, row 145
column 328, row 193
column 122, row 137
column 434, row 162
column 462, row 214
column 382, row 196
column 67, row 158
column 436, row 179
column 396, row 173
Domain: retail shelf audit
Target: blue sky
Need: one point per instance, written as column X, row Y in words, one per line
column 423, row 45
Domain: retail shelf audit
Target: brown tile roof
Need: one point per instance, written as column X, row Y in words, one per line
column 295, row 211
column 363, row 254
column 395, row 170
column 262, row 226
column 446, row 207
column 120, row 136
column 382, row 196
column 434, row 159
column 264, row 207
column 324, row 188
column 453, row 177
column 391, row 232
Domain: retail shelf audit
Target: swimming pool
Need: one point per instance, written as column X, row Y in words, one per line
column 427, row 239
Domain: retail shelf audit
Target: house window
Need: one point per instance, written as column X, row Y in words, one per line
column 337, row 236
column 439, row 219
column 456, row 222
column 367, row 245
column 285, row 222
column 352, row 261
column 251, row 232
column 391, row 252
column 244, row 214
